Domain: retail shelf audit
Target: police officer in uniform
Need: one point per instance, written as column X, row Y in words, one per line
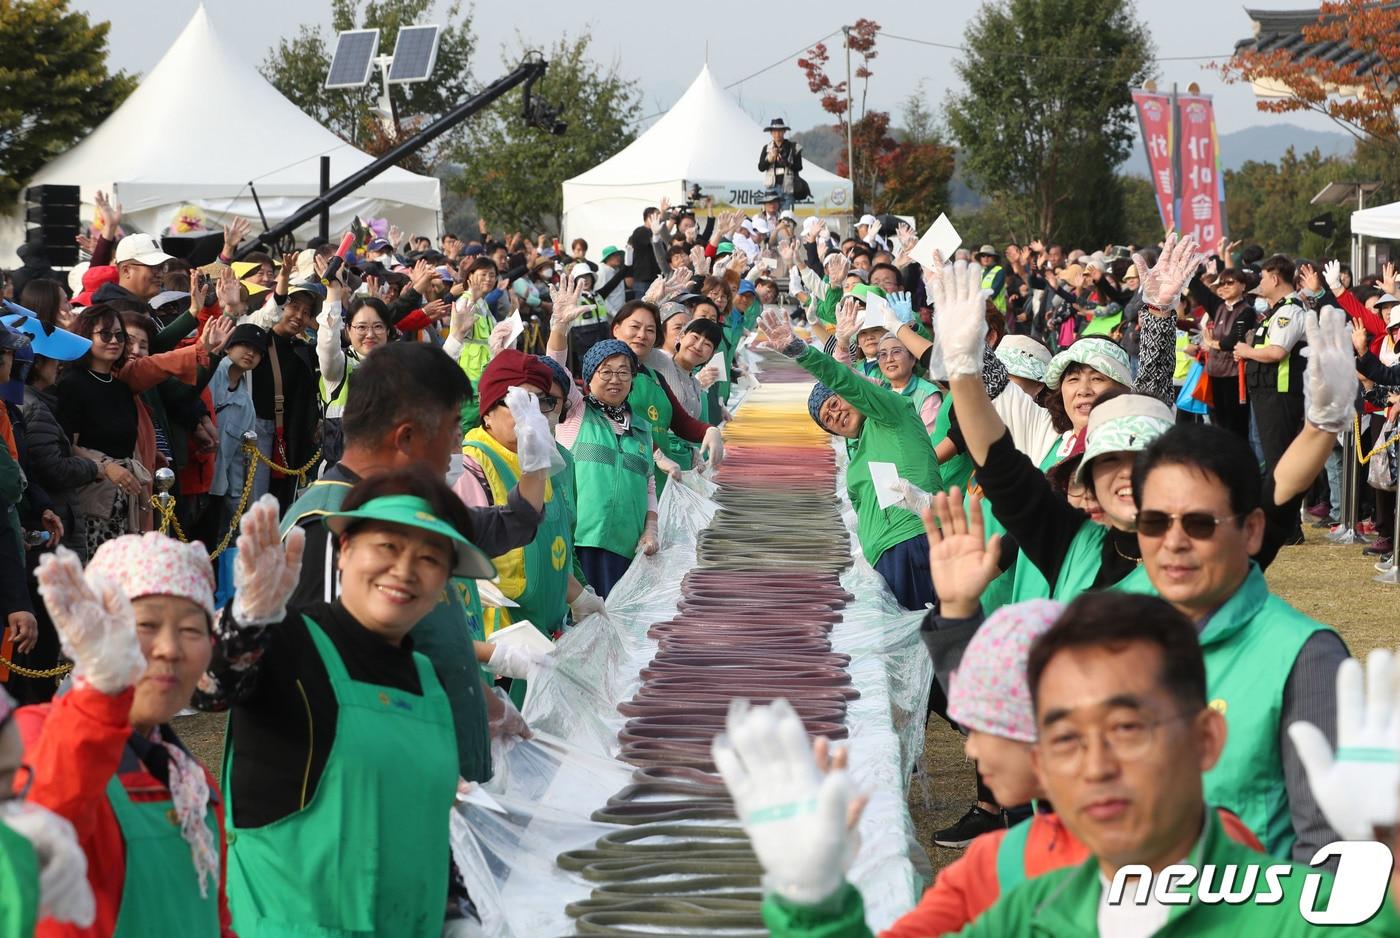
column 993, row 275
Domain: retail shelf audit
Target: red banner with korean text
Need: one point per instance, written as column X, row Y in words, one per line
column 1154, row 113
column 1201, row 195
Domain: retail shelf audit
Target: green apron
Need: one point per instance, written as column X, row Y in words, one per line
column 649, row 399
column 161, row 886
column 444, row 636
column 958, row 470
column 612, row 471
column 368, row 856
column 19, row 884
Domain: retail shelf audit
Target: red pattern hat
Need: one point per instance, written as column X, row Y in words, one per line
column 511, row 368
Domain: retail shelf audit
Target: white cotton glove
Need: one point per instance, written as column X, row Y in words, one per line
column 712, row 448
column 1332, row 273
column 517, row 663
column 94, row 620
column 266, row 570
column 534, row 444
column 795, row 285
column 903, row 304
column 586, row 604
column 795, row 817
column 915, row 498
column 64, row 892
column 1162, row 283
column 1329, row 382
column 508, row 723
column 959, row 304
column 1358, row 787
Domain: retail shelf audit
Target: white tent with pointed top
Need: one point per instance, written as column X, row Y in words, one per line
column 705, row 138
column 204, row 124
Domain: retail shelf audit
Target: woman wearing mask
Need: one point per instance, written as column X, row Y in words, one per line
column 138, row 626
column 340, row 733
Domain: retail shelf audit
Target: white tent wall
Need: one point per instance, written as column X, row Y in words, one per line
column 706, row 138
column 164, row 148
column 1381, row 221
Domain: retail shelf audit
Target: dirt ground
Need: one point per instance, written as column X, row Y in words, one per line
column 1332, row 584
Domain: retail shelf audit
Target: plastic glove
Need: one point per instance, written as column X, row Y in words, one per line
column 668, row 466
column 94, row 620
column 795, row 282
column 534, row 444
column 1332, row 273
column 507, row 723
column 712, row 447
column 779, row 335
column 903, row 304
column 517, row 663
column 586, row 604
column 1162, row 283
column 706, row 377
column 64, row 892
column 648, row 543
column 795, row 817
column 914, row 498
column 1358, row 787
column 961, row 318
column 1329, row 382
column 266, row 570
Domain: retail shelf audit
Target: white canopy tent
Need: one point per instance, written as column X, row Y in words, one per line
column 202, row 126
column 706, row 138
column 1381, row 221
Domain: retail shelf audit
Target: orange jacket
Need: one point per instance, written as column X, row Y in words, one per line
column 970, row 885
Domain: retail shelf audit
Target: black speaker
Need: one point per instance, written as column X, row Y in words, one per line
column 51, row 212
column 1322, row 225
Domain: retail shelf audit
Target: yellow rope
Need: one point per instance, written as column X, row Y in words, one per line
column 254, row 453
column 1356, row 428
column 29, row 672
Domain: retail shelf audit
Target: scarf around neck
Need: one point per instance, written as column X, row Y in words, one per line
column 620, row 414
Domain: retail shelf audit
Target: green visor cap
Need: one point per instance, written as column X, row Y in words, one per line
column 413, row 512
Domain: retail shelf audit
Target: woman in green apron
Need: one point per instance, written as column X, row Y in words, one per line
column 897, row 369
column 638, row 324
column 340, row 768
column 103, row 755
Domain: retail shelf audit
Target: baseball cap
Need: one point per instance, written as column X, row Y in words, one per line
column 139, row 249
column 868, row 219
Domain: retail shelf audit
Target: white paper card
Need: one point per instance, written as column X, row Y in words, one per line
column 721, row 364
column 885, row 475
column 522, row 634
column 941, row 236
column 875, row 307
column 517, row 326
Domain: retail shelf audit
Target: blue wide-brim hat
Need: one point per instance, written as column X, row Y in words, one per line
column 48, row 341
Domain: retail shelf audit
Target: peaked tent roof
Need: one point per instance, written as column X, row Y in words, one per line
column 164, row 147
column 705, row 135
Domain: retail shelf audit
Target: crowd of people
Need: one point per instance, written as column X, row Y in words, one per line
column 1098, row 456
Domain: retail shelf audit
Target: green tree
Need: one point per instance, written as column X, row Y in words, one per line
column 1268, row 203
column 1047, row 114
column 297, row 67
column 53, row 69
column 915, row 174
column 514, row 171
column 1142, row 223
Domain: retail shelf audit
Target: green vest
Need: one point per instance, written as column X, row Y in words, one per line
column 1285, row 375
column 369, row 854
column 611, row 471
column 649, row 399
column 998, row 300
column 1023, row 580
column 1011, row 856
column 473, row 359
column 1250, row 645
column 919, row 391
column 444, row 636
column 335, row 396
column 19, row 884
column 161, row 885
column 958, row 470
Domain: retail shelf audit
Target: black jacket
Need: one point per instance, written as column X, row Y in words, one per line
column 52, row 463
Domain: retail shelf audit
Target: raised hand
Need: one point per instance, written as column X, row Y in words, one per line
column 111, row 211
column 395, row 236
column 266, row 570
column 655, row 291
column 438, row 310
column 497, row 341
column 217, row 331
column 1388, row 277
column 463, row 319
column 698, row 261
column 1332, row 273
column 234, row 233
column 199, row 290
column 778, row 331
column 1329, row 381
column 1163, row 281
column 847, row 320
column 962, row 561
column 960, row 316
column 228, row 291
column 1311, row 280
column 421, row 276
column 94, row 620
column 565, row 299
column 676, row 283
column 85, row 244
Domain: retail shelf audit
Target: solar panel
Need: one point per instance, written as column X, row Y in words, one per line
column 414, row 54
column 353, row 59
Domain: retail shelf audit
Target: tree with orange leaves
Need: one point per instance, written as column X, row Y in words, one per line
column 1358, row 89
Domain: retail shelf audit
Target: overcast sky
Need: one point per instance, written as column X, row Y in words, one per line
column 664, row 45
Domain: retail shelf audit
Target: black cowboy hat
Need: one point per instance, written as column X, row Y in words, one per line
column 777, row 123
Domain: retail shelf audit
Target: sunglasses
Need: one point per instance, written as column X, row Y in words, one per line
column 110, row 335
column 1198, row 525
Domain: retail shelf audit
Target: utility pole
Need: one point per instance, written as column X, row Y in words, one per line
column 850, row 116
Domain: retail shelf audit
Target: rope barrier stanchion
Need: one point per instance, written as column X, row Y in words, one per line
column 1351, row 463
column 40, row 673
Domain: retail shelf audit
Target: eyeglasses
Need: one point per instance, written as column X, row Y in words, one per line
column 610, row 374
column 889, row 354
column 377, row 328
column 1198, row 525
column 547, row 403
column 109, row 335
column 17, row 790
column 1128, row 738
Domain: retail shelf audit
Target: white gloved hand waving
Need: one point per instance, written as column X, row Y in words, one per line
column 94, row 620
column 1329, row 382
column 64, row 892
column 1163, row 282
column 266, row 570
column 1358, row 786
column 1332, row 273
column 534, row 444
column 795, row 817
column 960, row 317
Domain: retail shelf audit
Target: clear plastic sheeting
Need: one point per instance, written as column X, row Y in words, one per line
column 550, row 786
